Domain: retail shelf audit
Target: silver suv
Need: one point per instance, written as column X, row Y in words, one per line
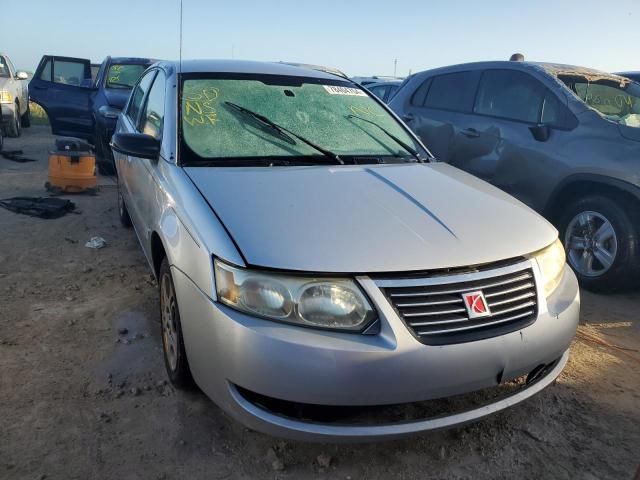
column 319, row 276
column 564, row 140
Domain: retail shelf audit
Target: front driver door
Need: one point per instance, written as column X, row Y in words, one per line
column 63, row 87
column 130, row 180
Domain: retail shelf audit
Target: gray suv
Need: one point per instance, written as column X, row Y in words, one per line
column 564, row 140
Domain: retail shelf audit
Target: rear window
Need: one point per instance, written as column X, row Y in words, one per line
column 454, row 91
column 122, row 75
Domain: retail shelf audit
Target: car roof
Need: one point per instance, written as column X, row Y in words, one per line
column 553, row 69
column 377, row 84
column 248, row 66
column 134, row 60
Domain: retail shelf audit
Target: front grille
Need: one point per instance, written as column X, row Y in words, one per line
column 436, row 313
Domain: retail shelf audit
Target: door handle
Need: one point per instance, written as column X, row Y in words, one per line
column 38, row 87
column 407, row 117
column 470, row 132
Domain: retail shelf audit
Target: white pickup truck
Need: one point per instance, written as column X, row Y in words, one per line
column 14, row 98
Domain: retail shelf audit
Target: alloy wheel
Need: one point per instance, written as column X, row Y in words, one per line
column 169, row 311
column 591, row 243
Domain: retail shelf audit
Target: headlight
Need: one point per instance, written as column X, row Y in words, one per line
column 333, row 303
column 109, row 112
column 551, row 261
column 5, row 96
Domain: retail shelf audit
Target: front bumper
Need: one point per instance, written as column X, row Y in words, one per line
column 227, row 349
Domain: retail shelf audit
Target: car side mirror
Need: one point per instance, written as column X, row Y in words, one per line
column 540, row 132
column 138, row 145
column 20, row 75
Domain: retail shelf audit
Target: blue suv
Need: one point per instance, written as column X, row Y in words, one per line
column 81, row 106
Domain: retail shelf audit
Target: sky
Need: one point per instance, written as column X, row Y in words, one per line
column 359, row 38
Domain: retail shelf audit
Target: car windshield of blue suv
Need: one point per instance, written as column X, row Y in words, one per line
column 124, row 75
column 617, row 100
column 288, row 120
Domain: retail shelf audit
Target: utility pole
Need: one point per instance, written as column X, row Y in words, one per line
column 395, row 66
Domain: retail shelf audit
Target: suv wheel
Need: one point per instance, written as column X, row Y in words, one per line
column 14, row 129
column 601, row 242
column 175, row 357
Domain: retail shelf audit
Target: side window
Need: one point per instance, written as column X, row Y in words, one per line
column 419, row 96
column 552, row 111
column 453, row 91
column 135, row 102
column 68, row 72
column 46, row 71
column 510, row 94
column 152, row 118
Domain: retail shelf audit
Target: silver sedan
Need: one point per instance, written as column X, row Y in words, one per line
column 322, row 277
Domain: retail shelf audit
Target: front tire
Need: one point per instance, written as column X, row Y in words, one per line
column 602, row 243
column 14, row 130
column 175, row 357
column 123, row 213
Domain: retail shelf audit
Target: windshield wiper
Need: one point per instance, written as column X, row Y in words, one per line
column 284, row 132
column 408, row 148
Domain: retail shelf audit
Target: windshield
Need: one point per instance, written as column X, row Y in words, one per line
column 331, row 114
column 123, row 75
column 4, row 68
column 617, row 100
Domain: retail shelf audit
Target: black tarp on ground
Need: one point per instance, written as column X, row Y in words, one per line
column 41, row 207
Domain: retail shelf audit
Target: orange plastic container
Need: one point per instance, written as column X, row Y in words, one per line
column 72, row 172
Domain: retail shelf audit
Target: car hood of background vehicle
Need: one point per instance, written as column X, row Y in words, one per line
column 117, row 97
column 632, row 133
column 359, row 219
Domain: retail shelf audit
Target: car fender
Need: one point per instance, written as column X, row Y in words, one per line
column 188, row 248
column 606, row 181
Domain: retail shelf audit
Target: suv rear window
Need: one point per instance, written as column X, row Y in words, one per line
column 453, row 91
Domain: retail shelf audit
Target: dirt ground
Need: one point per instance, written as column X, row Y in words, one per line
column 79, row 400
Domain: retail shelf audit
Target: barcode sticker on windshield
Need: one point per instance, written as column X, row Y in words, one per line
column 336, row 90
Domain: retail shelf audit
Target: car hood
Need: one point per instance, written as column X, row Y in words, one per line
column 117, row 97
column 630, row 132
column 365, row 219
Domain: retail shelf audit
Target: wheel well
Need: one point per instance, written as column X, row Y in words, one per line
column 157, row 253
column 583, row 188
